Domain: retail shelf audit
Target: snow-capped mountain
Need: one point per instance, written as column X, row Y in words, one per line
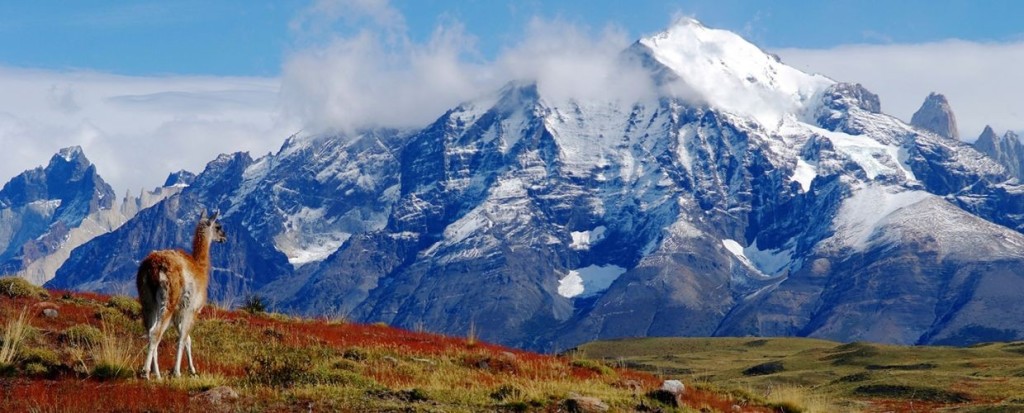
column 48, row 211
column 747, row 197
column 282, row 211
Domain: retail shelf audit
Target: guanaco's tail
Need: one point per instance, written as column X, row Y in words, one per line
column 151, row 281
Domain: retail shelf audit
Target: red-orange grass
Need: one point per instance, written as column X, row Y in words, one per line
column 89, row 396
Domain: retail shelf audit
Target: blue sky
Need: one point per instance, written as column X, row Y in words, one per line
column 190, row 79
column 252, row 38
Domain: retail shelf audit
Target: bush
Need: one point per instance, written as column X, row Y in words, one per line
column 82, row 335
column 109, row 371
column 39, row 355
column 127, row 305
column 37, row 362
column 16, row 287
column 254, row 304
column 763, row 369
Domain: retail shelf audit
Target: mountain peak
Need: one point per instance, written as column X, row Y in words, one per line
column 988, row 134
column 70, row 153
column 181, row 178
column 935, row 115
column 723, row 70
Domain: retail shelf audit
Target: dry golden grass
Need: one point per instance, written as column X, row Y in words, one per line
column 114, row 356
column 14, row 334
column 800, row 398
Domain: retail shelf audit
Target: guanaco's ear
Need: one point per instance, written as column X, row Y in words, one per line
column 203, row 215
column 215, row 215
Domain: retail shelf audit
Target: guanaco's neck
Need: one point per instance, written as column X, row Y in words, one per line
column 201, row 248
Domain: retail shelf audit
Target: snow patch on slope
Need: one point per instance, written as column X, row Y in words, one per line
column 804, row 173
column 588, row 281
column 767, row 262
column 302, row 242
column 875, row 158
column 865, row 210
column 583, row 240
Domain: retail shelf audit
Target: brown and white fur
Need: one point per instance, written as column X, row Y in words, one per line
column 172, row 287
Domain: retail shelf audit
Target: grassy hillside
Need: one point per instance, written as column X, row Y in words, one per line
column 85, row 358
column 831, row 376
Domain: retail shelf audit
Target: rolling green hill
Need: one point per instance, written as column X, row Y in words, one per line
column 833, row 376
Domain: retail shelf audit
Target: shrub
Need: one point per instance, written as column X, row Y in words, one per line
column 254, row 304
column 762, row 369
column 127, row 305
column 82, row 335
column 105, row 371
column 40, row 355
column 664, row 397
column 39, row 362
column 16, row 287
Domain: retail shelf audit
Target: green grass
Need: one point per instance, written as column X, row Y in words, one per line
column 854, row 376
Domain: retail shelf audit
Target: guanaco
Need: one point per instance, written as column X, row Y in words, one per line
column 172, row 287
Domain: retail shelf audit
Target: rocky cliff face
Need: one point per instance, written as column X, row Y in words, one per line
column 281, row 212
column 49, row 211
column 39, row 207
column 761, row 201
column 935, row 115
column 1007, row 150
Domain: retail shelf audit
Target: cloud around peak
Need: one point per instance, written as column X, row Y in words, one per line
column 371, row 73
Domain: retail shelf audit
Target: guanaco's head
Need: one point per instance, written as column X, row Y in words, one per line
column 212, row 227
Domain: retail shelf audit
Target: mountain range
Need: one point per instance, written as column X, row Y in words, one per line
column 745, row 197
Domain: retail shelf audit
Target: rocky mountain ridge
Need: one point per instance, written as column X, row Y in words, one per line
column 1006, row 149
column 49, row 211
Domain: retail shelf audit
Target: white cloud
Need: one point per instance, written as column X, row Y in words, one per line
column 982, row 81
column 568, row 61
column 135, row 129
column 378, row 76
column 366, row 81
